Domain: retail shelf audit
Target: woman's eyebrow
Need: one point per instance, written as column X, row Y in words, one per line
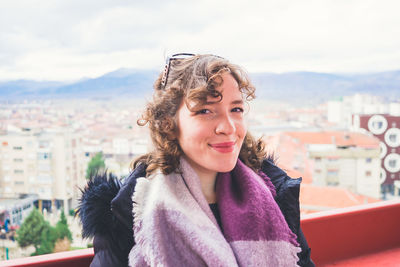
column 234, row 102
column 237, row 102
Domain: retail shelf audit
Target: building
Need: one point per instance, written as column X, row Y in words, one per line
column 16, row 209
column 46, row 163
column 334, row 158
column 340, row 111
column 386, row 128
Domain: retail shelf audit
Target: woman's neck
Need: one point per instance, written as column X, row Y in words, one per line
column 207, row 181
column 208, row 187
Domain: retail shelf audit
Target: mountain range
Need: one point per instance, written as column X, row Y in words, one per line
column 294, row 87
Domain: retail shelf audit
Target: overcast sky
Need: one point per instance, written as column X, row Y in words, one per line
column 72, row 39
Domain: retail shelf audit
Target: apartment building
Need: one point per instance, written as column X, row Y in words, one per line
column 46, row 163
column 386, row 128
column 334, row 158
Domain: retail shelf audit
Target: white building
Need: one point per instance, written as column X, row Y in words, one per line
column 340, row 111
column 337, row 158
column 48, row 164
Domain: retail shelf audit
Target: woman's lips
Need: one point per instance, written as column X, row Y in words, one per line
column 225, row 147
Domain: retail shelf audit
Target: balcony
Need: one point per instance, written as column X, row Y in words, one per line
column 367, row 235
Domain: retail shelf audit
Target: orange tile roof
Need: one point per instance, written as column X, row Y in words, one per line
column 340, row 138
column 315, row 198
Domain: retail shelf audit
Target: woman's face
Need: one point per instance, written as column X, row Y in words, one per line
column 211, row 135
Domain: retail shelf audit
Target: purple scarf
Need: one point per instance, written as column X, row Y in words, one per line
column 174, row 225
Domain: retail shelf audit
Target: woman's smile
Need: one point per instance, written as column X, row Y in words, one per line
column 225, row 147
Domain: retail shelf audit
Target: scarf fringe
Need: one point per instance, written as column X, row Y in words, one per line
column 142, row 252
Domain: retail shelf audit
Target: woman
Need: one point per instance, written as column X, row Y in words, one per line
column 206, row 195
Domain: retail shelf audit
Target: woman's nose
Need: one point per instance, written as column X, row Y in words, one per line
column 225, row 125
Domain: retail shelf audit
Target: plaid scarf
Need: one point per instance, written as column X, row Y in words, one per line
column 174, row 225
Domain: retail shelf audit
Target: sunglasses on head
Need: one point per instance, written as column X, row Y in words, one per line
column 179, row 56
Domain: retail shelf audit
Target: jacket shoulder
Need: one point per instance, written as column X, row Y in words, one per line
column 287, row 197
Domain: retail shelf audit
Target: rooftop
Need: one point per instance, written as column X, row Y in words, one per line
column 338, row 138
column 329, row 197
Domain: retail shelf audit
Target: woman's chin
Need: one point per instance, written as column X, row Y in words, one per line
column 227, row 168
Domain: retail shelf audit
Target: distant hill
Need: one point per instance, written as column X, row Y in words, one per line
column 312, row 87
column 295, row 87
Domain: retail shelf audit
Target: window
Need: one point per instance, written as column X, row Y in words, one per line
column 43, row 155
column 18, row 160
column 392, row 162
column 17, row 147
column 368, row 160
column 368, row 173
column 19, row 182
column 377, row 124
column 392, row 137
column 332, row 177
column 317, row 159
column 333, row 172
column 44, row 179
column 44, row 144
column 18, row 171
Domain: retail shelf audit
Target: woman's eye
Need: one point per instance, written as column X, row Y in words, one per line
column 203, row 111
column 237, row 109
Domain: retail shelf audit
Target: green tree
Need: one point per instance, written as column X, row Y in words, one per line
column 48, row 239
column 62, row 228
column 95, row 164
column 36, row 231
column 31, row 229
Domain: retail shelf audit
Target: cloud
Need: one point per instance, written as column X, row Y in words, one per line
column 61, row 40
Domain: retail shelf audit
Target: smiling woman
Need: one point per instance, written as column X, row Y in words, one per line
column 206, row 195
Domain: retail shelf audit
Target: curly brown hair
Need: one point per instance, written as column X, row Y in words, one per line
column 190, row 79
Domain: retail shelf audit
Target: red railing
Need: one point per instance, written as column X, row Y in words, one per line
column 76, row 258
column 352, row 232
column 332, row 235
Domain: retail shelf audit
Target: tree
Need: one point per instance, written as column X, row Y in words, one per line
column 62, row 228
column 31, row 230
column 95, row 165
column 36, row 231
column 48, row 239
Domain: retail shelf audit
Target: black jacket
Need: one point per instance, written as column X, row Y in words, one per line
column 105, row 211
